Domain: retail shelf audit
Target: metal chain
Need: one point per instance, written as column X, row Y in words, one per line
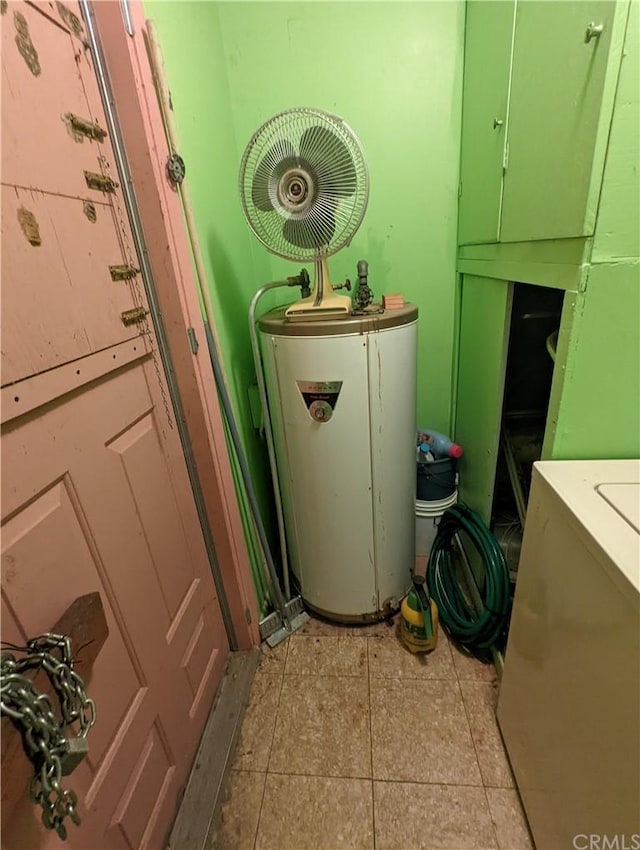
column 139, row 300
column 32, row 712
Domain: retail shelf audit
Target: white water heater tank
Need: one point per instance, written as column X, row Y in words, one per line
column 342, row 398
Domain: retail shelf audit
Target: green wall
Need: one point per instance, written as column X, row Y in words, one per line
column 393, row 70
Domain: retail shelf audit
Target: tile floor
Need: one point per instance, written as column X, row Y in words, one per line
column 350, row 741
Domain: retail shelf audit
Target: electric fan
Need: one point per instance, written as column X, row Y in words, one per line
column 304, row 187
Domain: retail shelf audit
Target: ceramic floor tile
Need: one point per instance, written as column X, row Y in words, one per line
column 254, row 744
column 472, row 669
column 431, row 817
column 238, row 823
column 327, row 656
column 480, row 701
column 390, row 659
column 323, row 727
column 316, row 813
column 508, row 819
column 273, row 660
column 420, row 732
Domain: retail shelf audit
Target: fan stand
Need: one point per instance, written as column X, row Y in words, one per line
column 320, row 305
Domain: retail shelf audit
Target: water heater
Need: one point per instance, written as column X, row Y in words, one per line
column 342, row 399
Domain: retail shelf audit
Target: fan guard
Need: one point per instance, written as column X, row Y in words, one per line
column 304, row 184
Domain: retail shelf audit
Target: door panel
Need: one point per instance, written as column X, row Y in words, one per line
column 488, row 40
column 559, row 115
column 95, row 491
column 74, row 527
column 484, row 338
column 61, row 82
column 63, row 290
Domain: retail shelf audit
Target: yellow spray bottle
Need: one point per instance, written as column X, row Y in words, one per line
column 419, row 619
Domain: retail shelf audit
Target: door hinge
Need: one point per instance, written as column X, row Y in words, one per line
column 99, row 181
column 176, row 169
column 460, row 189
column 193, row 340
column 505, row 157
column 123, row 272
column 247, row 616
column 134, row 316
column 81, row 127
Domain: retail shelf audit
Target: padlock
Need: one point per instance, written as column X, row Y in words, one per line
column 76, row 750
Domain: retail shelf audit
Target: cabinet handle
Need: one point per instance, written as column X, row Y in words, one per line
column 497, row 122
column 593, row 31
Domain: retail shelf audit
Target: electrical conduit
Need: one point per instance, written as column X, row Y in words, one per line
column 255, row 348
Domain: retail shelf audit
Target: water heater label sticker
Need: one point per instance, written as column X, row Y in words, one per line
column 320, row 397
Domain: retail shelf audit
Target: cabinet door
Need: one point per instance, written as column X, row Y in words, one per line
column 484, row 339
column 596, row 394
column 562, row 91
column 488, row 38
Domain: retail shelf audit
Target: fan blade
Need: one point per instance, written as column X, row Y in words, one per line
column 313, row 231
column 330, row 159
column 277, row 153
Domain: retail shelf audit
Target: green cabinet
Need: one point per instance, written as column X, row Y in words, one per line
column 485, row 314
column 487, row 62
column 550, row 78
column 594, row 405
column 594, row 410
column 569, row 202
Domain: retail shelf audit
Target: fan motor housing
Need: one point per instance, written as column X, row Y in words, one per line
column 296, row 190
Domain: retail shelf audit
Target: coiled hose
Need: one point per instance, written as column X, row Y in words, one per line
column 465, row 624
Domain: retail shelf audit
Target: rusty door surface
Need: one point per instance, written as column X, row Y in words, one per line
column 95, row 490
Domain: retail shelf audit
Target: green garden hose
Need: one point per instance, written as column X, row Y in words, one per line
column 466, row 624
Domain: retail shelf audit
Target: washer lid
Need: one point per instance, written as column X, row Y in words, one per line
column 625, row 499
column 274, row 322
column 604, row 498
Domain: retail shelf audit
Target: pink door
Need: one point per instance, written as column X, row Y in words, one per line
column 95, row 491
